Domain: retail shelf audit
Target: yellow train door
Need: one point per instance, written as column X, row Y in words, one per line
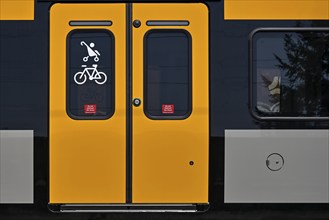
column 129, row 115
column 87, row 125
column 170, row 127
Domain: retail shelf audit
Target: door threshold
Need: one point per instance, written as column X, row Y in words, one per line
column 62, row 208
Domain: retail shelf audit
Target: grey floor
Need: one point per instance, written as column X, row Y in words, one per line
column 225, row 215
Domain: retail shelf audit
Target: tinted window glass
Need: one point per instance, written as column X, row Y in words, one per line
column 167, row 74
column 90, row 74
column 291, row 74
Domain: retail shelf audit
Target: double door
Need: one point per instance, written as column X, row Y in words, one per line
column 128, row 120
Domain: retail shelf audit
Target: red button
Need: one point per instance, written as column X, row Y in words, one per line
column 168, row 109
column 90, row 109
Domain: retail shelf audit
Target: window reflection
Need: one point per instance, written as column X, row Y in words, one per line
column 167, row 74
column 291, row 73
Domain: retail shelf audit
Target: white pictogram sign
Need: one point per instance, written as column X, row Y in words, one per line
column 90, row 72
column 91, row 52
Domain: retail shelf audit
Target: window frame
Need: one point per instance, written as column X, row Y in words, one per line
column 251, row 75
column 190, row 75
column 67, row 93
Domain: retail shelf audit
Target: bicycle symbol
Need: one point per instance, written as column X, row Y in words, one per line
column 93, row 74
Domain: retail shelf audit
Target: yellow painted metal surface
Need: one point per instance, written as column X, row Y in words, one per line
column 162, row 149
column 276, row 9
column 16, row 9
column 87, row 157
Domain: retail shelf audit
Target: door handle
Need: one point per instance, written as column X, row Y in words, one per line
column 137, row 102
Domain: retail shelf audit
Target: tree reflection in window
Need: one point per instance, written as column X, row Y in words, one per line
column 292, row 71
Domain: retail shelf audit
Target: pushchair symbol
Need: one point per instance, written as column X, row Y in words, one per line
column 91, row 52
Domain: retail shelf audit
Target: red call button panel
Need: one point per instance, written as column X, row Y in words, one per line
column 90, row 109
column 168, row 109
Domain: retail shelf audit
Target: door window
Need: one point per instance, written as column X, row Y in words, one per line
column 167, row 74
column 90, row 74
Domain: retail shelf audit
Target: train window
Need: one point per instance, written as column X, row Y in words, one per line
column 90, row 74
column 290, row 73
column 167, row 74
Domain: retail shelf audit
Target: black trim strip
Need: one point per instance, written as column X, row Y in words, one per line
column 128, row 104
column 124, row 1
column 90, row 23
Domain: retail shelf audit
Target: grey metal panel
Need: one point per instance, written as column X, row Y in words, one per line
column 167, row 23
column 301, row 178
column 16, row 166
column 90, row 23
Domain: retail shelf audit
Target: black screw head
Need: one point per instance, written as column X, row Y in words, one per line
column 191, row 163
column 137, row 102
column 137, row 23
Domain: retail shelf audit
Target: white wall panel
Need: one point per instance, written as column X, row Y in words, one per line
column 301, row 177
column 16, row 166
